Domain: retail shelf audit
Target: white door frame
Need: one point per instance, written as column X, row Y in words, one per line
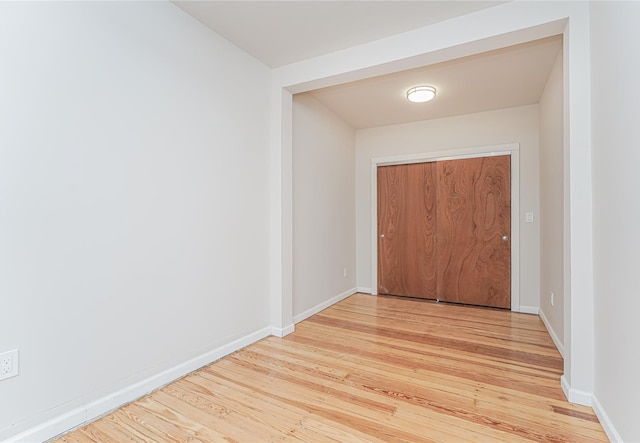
column 512, row 149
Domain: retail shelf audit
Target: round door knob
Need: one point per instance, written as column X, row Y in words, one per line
column 505, row 238
column 381, row 235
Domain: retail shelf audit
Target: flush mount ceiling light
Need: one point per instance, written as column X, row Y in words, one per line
column 421, row 94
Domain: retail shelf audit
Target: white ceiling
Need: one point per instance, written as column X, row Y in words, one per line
column 283, row 32
column 504, row 78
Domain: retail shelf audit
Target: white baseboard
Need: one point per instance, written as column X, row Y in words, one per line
column 605, row 421
column 364, row 290
column 282, row 332
column 552, row 333
column 324, row 305
column 529, row 310
column 575, row 395
column 97, row 408
column 588, row 399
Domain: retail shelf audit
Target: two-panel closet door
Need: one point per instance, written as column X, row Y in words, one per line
column 444, row 230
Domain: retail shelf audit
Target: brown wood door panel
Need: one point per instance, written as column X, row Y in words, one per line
column 474, row 214
column 406, row 230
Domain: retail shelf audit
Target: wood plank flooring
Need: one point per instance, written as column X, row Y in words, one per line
column 370, row 369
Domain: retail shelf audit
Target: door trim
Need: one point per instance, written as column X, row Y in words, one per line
column 512, row 149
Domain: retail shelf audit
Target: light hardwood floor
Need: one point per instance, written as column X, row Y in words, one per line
column 370, row 369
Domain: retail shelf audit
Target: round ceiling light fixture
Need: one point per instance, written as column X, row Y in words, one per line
column 421, row 94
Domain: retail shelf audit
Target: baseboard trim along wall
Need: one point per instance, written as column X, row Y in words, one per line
column 528, row 310
column 552, row 333
column 575, row 395
column 324, row 305
column 587, row 399
column 98, row 408
column 364, row 290
column 605, row 421
column 282, row 332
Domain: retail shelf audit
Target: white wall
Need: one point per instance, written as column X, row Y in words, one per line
column 552, row 204
column 133, row 199
column 515, row 125
column 615, row 70
column 323, row 207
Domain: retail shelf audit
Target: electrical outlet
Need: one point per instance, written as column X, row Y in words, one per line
column 8, row 364
column 552, row 295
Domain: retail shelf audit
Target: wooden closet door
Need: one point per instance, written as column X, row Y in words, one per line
column 406, row 230
column 474, row 231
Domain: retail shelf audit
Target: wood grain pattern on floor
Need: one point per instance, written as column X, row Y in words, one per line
column 370, row 369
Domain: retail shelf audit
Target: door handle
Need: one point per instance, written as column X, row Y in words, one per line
column 381, row 235
column 505, row 238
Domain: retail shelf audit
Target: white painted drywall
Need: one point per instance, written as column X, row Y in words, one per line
column 551, row 217
column 323, row 205
column 515, row 125
column 615, row 70
column 133, row 198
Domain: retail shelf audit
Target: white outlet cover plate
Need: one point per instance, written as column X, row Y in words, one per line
column 8, row 364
